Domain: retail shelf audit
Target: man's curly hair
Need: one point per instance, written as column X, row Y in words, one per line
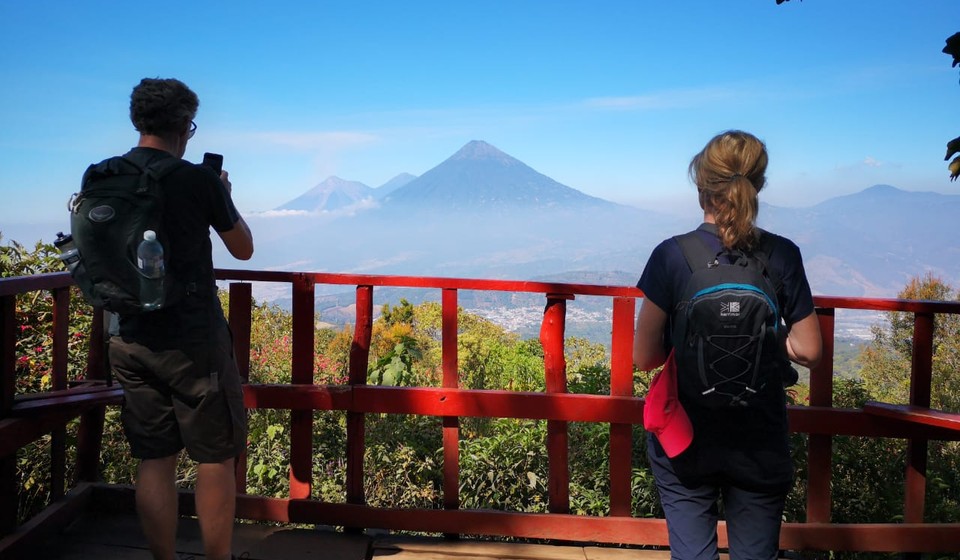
column 162, row 107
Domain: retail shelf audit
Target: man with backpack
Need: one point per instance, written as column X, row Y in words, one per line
column 176, row 365
column 728, row 306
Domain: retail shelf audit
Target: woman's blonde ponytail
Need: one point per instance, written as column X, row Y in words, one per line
column 729, row 172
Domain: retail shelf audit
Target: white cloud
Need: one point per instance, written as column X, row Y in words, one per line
column 665, row 99
column 351, row 210
column 314, row 141
column 278, row 213
column 870, row 162
column 293, row 266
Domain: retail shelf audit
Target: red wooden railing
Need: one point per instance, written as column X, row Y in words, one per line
column 24, row 418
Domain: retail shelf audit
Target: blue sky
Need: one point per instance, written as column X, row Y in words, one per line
column 609, row 97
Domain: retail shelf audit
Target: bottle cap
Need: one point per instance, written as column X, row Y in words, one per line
column 150, row 235
column 62, row 239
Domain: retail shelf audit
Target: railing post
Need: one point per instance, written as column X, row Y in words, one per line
column 9, row 498
column 97, row 362
column 451, row 424
column 555, row 367
column 820, row 447
column 359, row 361
column 8, row 358
column 89, row 444
column 90, row 432
column 621, row 385
column 61, row 334
column 58, row 436
column 241, row 302
column 921, row 374
column 301, row 421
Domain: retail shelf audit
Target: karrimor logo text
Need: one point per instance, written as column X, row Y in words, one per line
column 729, row 309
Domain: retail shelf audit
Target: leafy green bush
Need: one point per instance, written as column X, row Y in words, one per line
column 34, row 319
column 34, row 362
column 402, row 466
column 506, row 470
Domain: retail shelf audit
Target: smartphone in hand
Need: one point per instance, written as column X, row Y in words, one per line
column 213, row 161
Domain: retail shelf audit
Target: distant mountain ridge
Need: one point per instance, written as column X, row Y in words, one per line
column 393, row 184
column 335, row 194
column 482, row 213
column 871, row 243
column 476, row 178
column 480, row 177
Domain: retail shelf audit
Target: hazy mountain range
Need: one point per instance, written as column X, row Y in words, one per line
column 478, row 178
column 338, row 195
column 482, row 213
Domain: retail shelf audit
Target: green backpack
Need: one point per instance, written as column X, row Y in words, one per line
column 117, row 202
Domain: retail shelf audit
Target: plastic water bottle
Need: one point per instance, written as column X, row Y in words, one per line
column 72, row 259
column 150, row 263
column 69, row 253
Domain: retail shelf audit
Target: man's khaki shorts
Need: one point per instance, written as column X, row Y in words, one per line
column 188, row 397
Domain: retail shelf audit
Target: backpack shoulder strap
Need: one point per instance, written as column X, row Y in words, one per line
column 164, row 166
column 695, row 250
column 762, row 253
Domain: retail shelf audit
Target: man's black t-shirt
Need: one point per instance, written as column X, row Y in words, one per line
column 746, row 447
column 194, row 201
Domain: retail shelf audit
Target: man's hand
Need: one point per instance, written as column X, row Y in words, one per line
column 225, row 179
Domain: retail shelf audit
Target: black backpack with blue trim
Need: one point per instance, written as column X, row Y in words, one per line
column 727, row 330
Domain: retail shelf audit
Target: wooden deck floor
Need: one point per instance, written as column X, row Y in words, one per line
column 101, row 535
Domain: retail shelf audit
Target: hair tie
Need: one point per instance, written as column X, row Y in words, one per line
column 734, row 177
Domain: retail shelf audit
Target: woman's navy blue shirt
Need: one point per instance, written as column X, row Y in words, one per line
column 745, row 447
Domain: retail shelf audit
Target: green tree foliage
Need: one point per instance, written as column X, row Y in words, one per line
column 885, row 374
column 34, row 360
column 268, row 439
column 885, row 364
column 17, row 260
column 34, row 345
column 868, row 474
column 507, row 469
column 503, row 461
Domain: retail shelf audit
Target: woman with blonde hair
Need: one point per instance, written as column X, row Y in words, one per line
column 737, row 455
